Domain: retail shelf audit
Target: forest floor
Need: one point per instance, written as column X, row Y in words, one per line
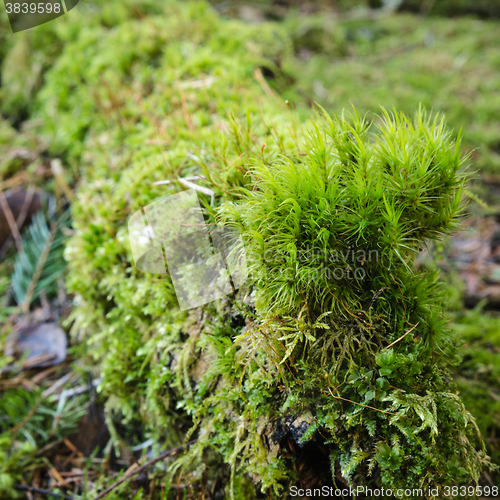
column 51, row 412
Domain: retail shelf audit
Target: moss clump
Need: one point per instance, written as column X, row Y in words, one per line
column 354, row 202
column 354, row 371
column 357, row 344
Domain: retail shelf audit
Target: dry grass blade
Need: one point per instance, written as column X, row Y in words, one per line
column 11, row 221
column 403, row 336
column 190, row 178
column 194, row 186
column 58, row 171
column 365, row 406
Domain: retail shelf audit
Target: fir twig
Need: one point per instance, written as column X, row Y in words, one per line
column 39, row 267
column 28, row 416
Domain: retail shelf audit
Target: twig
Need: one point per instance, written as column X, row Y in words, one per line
column 78, row 390
column 140, row 469
column 36, row 360
column 26, row 205
column 14, row 180
column 366, row 406
column 41, row 376
column 422, row 483
column 54, row 473
column 22, row 487
column 40, row 452
column 58, row 384
column 190, row 178
column 39, row 268
column 194, row 186
column 72, row 447
column 403, row 336
column 12, row 223
column 20, row 219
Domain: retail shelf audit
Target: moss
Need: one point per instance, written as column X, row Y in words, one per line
column 255, row 378
column 314, row 334
column 399, row 62
column 21, row 150
column 478, row 375
column 482, row 8
column 282, row 367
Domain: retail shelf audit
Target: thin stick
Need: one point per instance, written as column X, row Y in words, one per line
column 26, row 205
column 140, row 469
column 22, row 487
column 20, row 219
column 194, row 186
column 191, row 178
column 403, row 336
column 366, row 406
column 39, row 268
column 10, row 220
column 14, row 180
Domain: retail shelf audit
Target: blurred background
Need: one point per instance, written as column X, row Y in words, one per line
column 85, row 92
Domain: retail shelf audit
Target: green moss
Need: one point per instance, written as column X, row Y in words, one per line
column 303, row 343
column 481, row 8
column 343, row 189
column 256, row 377
column 478, row 375
column 401, row 61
